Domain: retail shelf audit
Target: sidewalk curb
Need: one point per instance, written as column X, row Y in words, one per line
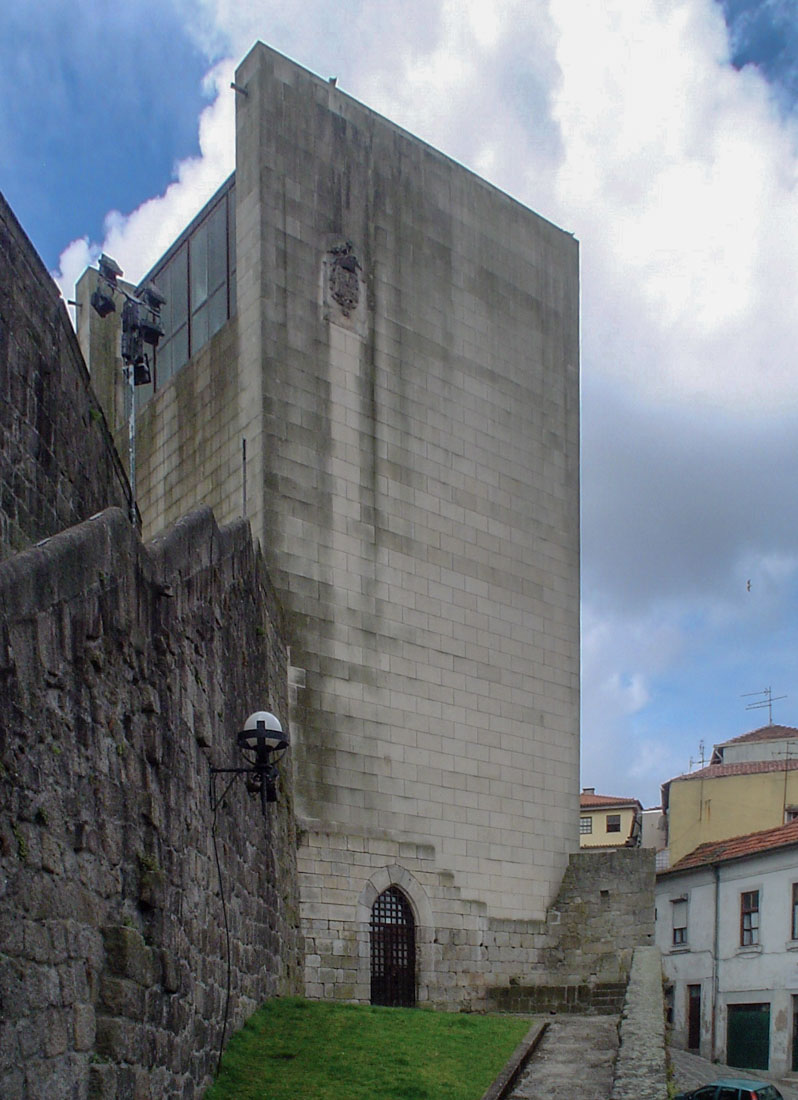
column 518, row 1059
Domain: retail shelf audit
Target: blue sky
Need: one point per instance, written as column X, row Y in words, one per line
column 664, row 134
column 95, row 113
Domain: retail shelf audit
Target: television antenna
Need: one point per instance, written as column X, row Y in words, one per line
column 768, row 701
column 701, row 759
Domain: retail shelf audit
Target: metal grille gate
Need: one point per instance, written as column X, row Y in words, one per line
column 393, row 950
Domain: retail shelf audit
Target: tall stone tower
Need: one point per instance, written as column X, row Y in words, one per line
column 378, row 351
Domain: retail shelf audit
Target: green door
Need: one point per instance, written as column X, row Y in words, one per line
column 748, row 1036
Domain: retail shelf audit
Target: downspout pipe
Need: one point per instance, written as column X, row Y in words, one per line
column 715, row 962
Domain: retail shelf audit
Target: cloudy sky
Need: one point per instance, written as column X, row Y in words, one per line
column 664, row 134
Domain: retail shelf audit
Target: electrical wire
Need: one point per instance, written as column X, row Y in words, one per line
column 215, row 803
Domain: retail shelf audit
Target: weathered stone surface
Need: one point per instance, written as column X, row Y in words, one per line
column 85, row 1024
column 127, row 954
column 579, row 960
column 574, row 1061
column 12, row 1083
column 603, row 912
column 600, row 999
column 113, row 941
column 640, row 1071
column 102, row 1082
column 58, row 465
column 170, row 972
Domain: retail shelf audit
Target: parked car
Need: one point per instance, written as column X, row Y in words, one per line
column 732, row 1088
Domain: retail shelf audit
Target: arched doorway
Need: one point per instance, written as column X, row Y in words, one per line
column 393, row 950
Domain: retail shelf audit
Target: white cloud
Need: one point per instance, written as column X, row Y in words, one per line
column 138, row 239
column 622, row 654
column 73, row 261
column 622, row 657
column 680, row 179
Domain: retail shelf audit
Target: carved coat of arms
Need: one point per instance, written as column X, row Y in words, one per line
column 344, row 279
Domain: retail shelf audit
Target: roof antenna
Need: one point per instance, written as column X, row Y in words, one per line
column 768, row 701
column 701, row 759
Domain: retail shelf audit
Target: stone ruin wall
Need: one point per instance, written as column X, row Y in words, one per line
column 124, row 672
column 58, row 465
column 603, row 912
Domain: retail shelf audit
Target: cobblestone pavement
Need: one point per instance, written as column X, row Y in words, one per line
column 690, row 1071
column 573, row 1062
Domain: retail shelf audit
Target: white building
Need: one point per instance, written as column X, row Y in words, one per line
column 766, row 743
column 727, row 926
column 655, row 834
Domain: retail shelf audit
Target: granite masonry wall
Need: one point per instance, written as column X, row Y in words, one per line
column 58, row 465
column 577, row 959
column 641, row 1068
column 124, row 673
column 412, row 438
column 603, row 913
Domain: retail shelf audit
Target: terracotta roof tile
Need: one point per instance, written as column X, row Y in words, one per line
column 594, row 801
column 737, row 847
column 745, row 767
column 764, row 733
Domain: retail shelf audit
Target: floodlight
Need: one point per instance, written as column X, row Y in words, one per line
column 152, row 297
column 109, row 269
column 141, row 372
column 132, row 349
column 150, row 328
column 102, row 301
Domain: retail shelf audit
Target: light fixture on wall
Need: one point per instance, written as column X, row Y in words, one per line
column 260, row 740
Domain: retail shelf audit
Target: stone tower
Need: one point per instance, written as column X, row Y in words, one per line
column 378, row 352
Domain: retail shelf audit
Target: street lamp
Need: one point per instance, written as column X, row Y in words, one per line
column 259, row 741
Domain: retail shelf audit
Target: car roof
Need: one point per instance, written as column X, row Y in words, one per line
column 740, row 1082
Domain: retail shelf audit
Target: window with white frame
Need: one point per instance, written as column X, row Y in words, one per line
column 585, row 824
column 679, row 921
column 794, row 914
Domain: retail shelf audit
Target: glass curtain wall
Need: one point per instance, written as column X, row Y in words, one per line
column 198, row 281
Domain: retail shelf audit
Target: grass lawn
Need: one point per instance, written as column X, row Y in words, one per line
column 292, row 1048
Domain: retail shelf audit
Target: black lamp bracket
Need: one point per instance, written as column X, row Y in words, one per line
column 262, row 779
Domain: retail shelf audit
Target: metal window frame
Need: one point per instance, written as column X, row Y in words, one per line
column 226, row 195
